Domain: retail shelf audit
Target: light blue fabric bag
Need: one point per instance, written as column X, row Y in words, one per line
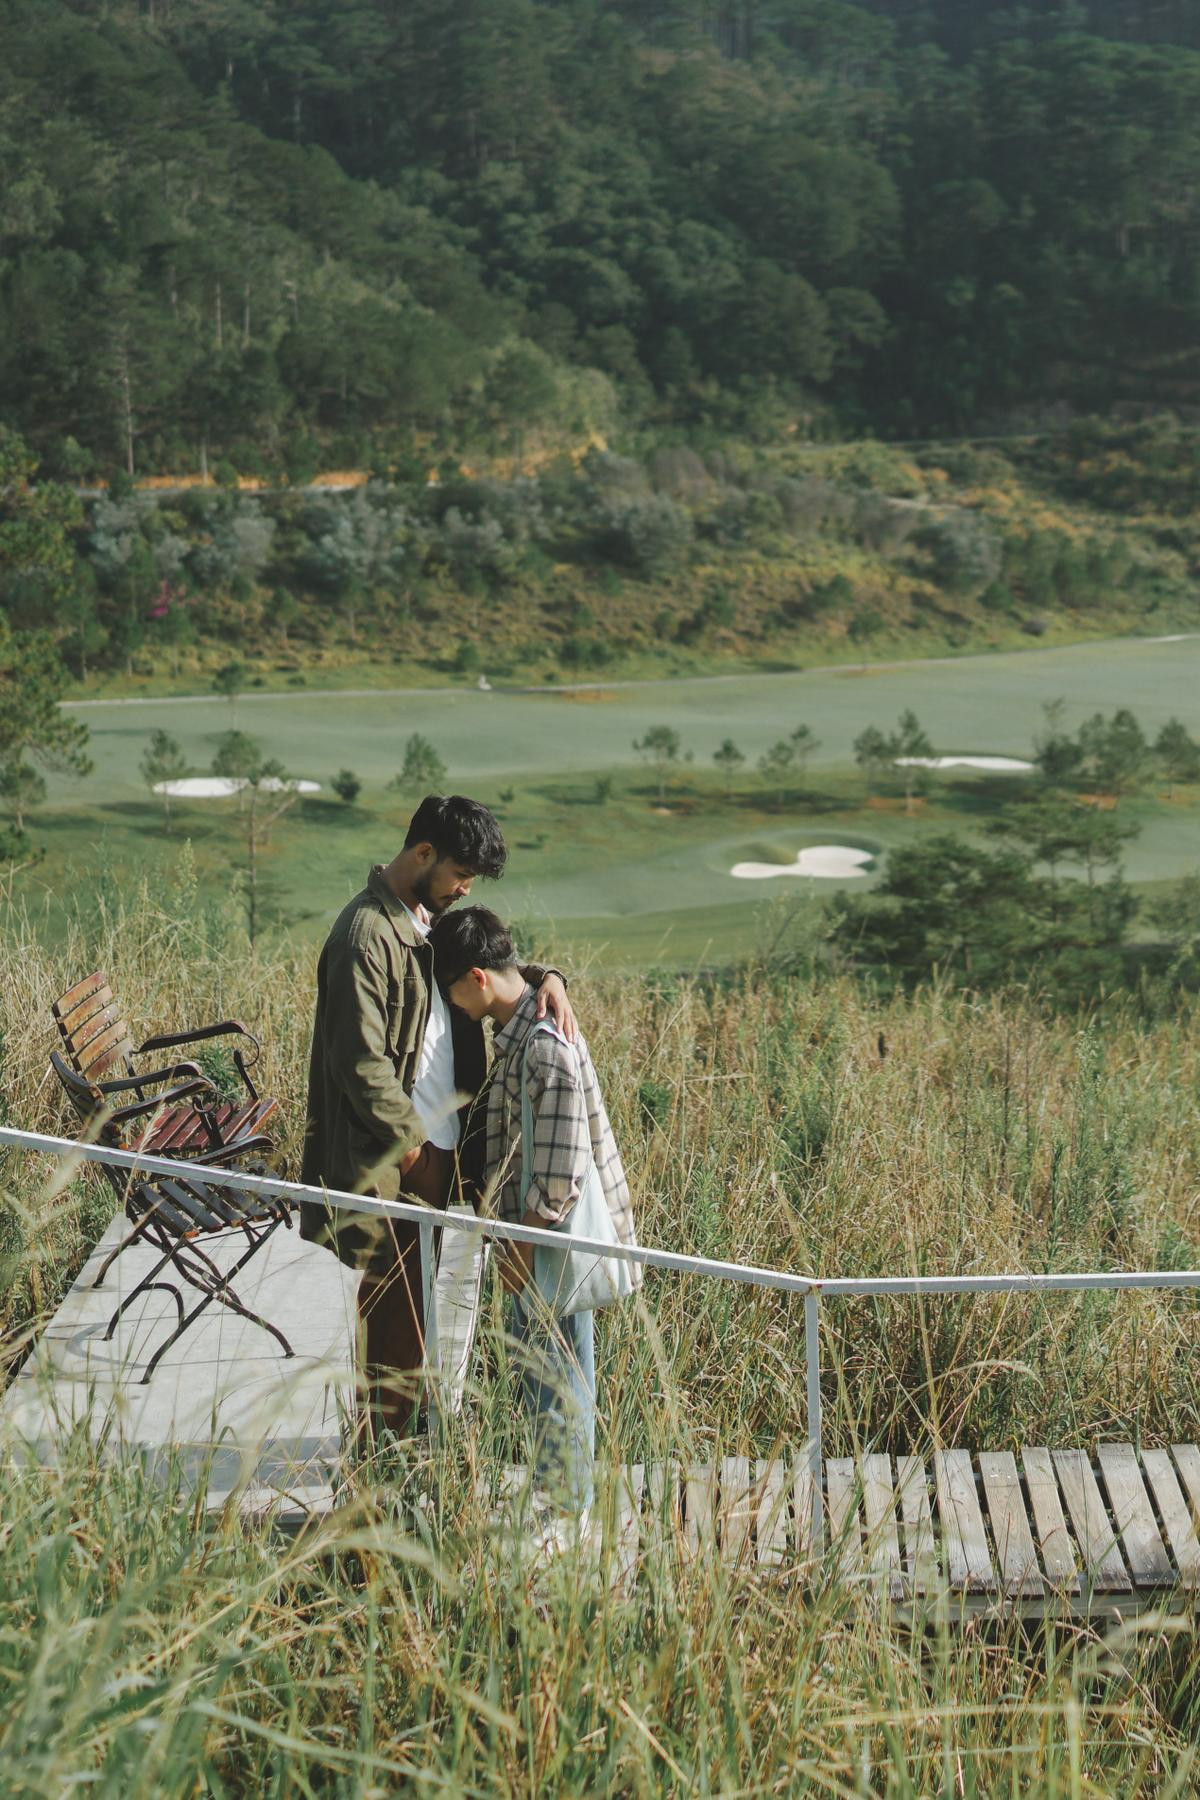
column 572, row 1281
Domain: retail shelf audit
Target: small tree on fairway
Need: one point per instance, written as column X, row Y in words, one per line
column 872, row 753
column 804, row 742
column 776, row 764
column 660, row 746
column 163, row 761
column 907, row 743
column 267, row 795
column 423, row 770
column 229, row 681
column 346, row 786
column 1058, row 757
column 21, row 789
column 729, row 760
column 1178, row 753
column 1113, row 752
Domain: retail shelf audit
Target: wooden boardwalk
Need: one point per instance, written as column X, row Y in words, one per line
column 994, row 1532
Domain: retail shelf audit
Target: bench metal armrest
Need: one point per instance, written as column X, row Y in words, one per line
column 168, row 1039
column 173, row 1072
column 224, row 1028
column 140, row 1108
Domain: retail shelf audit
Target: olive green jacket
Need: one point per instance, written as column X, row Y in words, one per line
column 374, row 981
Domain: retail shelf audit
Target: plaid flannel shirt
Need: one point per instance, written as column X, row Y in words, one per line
column 569, row 1125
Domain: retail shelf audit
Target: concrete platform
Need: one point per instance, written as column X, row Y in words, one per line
column 224, row 1400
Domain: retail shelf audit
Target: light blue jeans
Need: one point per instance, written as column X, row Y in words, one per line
column 556, row 1362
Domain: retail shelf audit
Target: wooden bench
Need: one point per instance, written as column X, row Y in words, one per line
column 98, row 1048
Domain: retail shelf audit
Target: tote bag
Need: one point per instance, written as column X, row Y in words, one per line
column 570, row 1280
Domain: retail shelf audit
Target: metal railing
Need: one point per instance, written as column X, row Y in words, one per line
column 812, row 1288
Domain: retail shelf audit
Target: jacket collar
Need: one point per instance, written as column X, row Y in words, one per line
column 519, row 1026
column 397, row 912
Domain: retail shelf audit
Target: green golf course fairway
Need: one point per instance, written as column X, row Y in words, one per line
column 636, row 885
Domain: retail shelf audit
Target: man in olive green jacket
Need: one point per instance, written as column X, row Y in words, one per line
column 392, row 1078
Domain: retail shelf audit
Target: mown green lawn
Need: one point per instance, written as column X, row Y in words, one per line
column 639, row 884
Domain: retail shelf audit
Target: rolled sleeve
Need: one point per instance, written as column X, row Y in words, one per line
column 562, row 1144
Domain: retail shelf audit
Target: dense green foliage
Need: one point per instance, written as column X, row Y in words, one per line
column 666, row 561
column 245, row 230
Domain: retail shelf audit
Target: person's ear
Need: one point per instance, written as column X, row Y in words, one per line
column 479, row 977
column 426, row 854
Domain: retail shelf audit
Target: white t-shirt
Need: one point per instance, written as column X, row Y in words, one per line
column 435, row 1091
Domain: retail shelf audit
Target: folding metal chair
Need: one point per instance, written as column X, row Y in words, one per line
column 175, row 1213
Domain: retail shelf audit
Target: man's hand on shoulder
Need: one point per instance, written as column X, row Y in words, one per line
column 552, row 1001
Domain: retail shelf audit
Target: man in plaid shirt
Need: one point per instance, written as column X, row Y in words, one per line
column 478, row 973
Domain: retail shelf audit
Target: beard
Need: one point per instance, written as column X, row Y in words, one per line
column 423, row 889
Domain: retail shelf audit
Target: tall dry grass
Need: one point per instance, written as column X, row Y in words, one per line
column 147, row 1648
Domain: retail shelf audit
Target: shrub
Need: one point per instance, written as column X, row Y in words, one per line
column 651, row 535
column 347, row 786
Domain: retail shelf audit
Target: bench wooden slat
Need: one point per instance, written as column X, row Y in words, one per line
column 75, row 996
column 87, row 1030
column 968, row 1561
column 883, row 1539
column 1148, row 1561
column 803, row 1489
column 700, row 1509
column 109, row 1047
column 735, row 1512
column 661, row 1491
column 1176, row 1514
column 1094, row 1529
column 772, row 1521
column 1187, row 1461
column 1011, row 1535
column 627, row 1522
column 845, row 1533
column 1058, row 1552
column 73, row 1023
column 919, row 1554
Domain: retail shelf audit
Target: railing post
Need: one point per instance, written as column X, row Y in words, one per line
column 816, row 1459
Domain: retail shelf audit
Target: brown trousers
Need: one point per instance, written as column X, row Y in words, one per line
column 391, row 1306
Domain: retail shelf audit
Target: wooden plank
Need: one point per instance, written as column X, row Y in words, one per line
column 804, row 1506
column 112, row 1045
column 1015, row 1548
column 700, row 1509
column 771, row 1523
column 88, row 1030
column 1094, row 1530
column 86, row 1019
column 627, row 1522
column 661, row 1490
column 735, row 1510
column 1187, row 1461
column 845, row 1531
column 968, row 1561
column 1058, row 1552
column 919, row 1554
column 75, row 996
column 879, row 1506
column 1148, row 1561
column 1175, row 1513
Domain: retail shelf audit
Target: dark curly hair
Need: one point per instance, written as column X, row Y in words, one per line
column 462, row 830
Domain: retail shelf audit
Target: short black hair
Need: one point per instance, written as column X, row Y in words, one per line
column 471, row 939
column 462, row 830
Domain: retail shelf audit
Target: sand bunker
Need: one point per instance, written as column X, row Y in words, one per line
column 964, row 762
column 828, row 862
column 222, row 787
